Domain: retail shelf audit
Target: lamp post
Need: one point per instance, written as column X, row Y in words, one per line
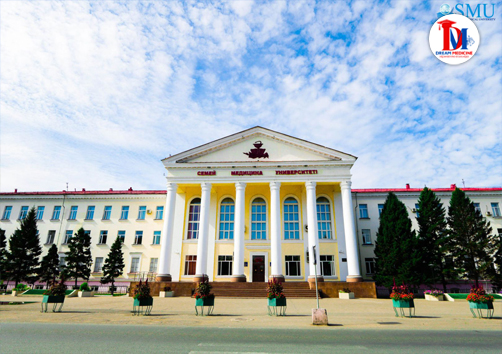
column 315, row 263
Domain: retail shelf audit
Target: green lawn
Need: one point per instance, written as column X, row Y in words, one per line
column 41, row 292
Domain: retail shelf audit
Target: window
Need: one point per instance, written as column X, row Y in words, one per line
column 370, row 265
column 363, row 211
column 193, row 219
column 417, row 208
column 153, row 265
column 103, row 235
column 477, row 207
column 62, row 262
column 50, row 237
column 67, row 236
column 291, row 224
column 121, row 235
column 190, row 264
column 56, row 213
column 227, row 209
column 293, row 266
column 90, row 213
column 380, row 209
column 87, row 232
column 156, row 238
column 134, row 265
column 323, row 218
column 138, row 239
column 6, row 213
column 40, row 212
column 23, row 213
column 107, row 213
column 225, row 265
column 159, row 213
column 496, row 210
column 366, row 236
column 142, row 213
column 124, row 215
column 73, row 213
column 258, row 219
column 327, row 265
column 98, row 265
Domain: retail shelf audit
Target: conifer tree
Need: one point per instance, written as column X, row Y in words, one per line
column 3, row 256
column 49, row 267
column 114, row 264
column 78, row 257
column 396, row 246
column 495, row 271
column 433, row 240
column 25, row 250
column 472, row 242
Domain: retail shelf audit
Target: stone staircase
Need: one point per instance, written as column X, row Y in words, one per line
column 259, row 290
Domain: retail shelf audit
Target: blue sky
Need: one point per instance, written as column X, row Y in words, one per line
column 97, row 93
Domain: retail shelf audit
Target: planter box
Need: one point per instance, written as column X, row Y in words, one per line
column 14, row 293
column 209, row 301
column 277, row 302
column 404, row 304
column 166, row 294
column 85, row 293
column 277, row 307
column 477, row 307
column 142, row 306
column 143, row 302
column 51, row 299
column 346, row 296
column 434, row 298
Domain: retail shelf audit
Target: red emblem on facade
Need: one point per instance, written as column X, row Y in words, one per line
column 258, row 152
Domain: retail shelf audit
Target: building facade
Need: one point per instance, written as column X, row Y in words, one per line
column 251, row 206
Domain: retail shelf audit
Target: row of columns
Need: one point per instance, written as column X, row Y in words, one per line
column 275, row 232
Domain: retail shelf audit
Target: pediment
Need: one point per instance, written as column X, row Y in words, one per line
column 258, row 145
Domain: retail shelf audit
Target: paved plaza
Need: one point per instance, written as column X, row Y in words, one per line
column 252, row 313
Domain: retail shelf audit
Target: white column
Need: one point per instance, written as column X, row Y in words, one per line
column 275, row 230
column 201, row 266
column 312, row 231
column 350, row 234
column 238, row 262
column 164, row 273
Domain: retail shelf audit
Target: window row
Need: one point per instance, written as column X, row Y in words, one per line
column 103, row 237
column 363, row 210
column 291, row 215
column 89, row 215
column 134, row 268
column 291, row 262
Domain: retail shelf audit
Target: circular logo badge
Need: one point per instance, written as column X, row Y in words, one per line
column 454, row 39
column 445, row 9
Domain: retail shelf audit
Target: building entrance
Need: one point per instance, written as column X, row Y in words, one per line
column 258, row 269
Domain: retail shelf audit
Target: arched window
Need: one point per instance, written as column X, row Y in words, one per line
column 291, row 224
column 227, row 210
column 323, row 218
column 258, row 219
column 194, row 219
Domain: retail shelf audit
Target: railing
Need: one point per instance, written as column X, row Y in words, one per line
column 107, row 289
column 144, row 276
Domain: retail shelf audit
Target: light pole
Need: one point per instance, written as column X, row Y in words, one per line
column 315, row 264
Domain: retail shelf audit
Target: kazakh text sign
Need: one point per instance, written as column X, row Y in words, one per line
column 246, row 173
column 206, row 173
column 296, row 172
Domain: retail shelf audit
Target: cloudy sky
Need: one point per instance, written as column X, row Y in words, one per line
column 97, row 93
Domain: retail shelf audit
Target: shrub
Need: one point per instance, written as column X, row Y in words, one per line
column 436, row 293
column 21, row 287
column 344, row 290
column 275, row 289
column 142, row 291
column 57, row 289
column 167, row 288
column 401, row 293
column 85, row 287
column 478, row 295
column 203, row 291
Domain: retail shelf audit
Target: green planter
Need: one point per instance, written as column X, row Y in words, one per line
column 477, row 307
column 142, row 306
column 204, row 302
column 401, row 305
column 277, row 307
column 50, row 299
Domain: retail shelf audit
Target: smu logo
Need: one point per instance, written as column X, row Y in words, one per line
column 473, row 12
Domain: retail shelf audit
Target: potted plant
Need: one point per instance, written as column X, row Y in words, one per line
column 402, row 298
column 346, row 294
column 204, row 297
column 54, row 295
column 276, row 298
column 167, row 292
column 19, row 289
column 479, row 300
column 434, row 295
column 85, row 291
column 143, row 301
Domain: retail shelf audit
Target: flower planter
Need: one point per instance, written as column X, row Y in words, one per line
column 51, row 299
column 142, row 306
column 85, row 293
column 204, row 302
column 346, row 296
column 434, row 298
column 166, row 294
column 14, row 293
column 479, row 306
column 401, row 305
column 277, row 307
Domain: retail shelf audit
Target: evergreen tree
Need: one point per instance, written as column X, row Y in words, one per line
column 78, row 257
column 433, row 240
column 472, row 242
column 114, row 264
column 495, row 271
column 3, row 256
column 25, row 250
column 49, row 268
column 396, row 246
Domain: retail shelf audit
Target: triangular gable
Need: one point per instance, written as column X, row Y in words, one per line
column 258, row 144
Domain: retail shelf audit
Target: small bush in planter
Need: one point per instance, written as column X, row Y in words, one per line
column 345, row 291
column 85, row 287
column 167, row 288
column 54, row 295
column 204, row 297
column 142, row 298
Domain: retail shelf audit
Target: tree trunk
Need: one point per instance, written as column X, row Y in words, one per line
column 113, row 287
column 76, row 278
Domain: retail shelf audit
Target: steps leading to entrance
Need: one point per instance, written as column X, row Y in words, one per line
column 259, row 290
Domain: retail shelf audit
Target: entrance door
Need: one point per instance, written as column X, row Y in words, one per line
column 258, row 269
